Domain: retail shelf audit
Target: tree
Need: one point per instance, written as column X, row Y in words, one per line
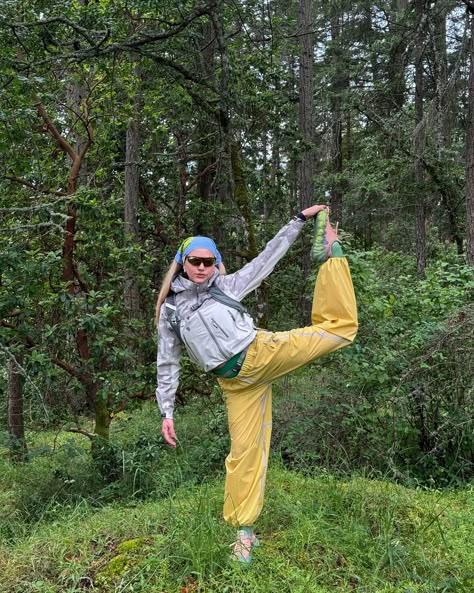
column 420, row 219
column 131, row 291
column 16, row 423
column 470, row 148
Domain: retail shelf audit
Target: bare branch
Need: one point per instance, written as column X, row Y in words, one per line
column 36, row 188
column 63, row 143
column 56, row 19
column 123, row 404
column 38, row 225
column 13, row 314
column 89, row 435
column 192, row 183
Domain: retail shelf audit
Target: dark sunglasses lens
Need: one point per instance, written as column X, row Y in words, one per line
column 197, row 261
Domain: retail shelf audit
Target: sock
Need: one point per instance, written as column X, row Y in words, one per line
column 248, row 529
column 336, row 250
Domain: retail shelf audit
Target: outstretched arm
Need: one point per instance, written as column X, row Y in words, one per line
column 167, row 371
column 249, row 277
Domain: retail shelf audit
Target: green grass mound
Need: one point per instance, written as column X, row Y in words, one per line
column 318, row 535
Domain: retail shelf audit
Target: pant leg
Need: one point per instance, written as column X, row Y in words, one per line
column 249, row 411
column 334, row 304
column 334, row 318
column 272, row 355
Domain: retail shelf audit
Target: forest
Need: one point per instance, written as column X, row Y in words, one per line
column 129, row 125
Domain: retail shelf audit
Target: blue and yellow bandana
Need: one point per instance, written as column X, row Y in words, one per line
column 192, row 243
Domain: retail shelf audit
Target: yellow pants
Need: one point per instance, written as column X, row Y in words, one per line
column 249, row 395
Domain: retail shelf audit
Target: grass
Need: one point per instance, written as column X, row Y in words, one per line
column 319, row 535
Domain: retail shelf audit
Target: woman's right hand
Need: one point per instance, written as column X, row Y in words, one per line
column 167, row 430
column 313, row 210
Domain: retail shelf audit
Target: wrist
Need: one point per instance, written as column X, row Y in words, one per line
column 300, row 216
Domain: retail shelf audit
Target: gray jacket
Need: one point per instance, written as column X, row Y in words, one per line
column 242, row 330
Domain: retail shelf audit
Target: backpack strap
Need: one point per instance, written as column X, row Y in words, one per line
column 172, row 315
column 220, row 296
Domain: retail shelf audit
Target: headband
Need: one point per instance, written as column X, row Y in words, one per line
column 192, row 243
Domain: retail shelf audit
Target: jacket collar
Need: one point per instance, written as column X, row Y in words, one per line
column 180, row 284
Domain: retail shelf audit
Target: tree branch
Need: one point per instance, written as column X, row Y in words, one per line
column 56, row 19
column 40, row 190
column 89, row 435
column 123, row 404
column 65, row 146
column 30, row 343
column 130, row 44
column 470, row 5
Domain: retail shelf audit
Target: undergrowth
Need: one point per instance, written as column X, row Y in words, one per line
column 318, row 535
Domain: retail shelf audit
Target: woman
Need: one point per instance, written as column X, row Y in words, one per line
column 222, row 339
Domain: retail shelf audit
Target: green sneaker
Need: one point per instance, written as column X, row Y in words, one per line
column 246, row 540
column 324, row 237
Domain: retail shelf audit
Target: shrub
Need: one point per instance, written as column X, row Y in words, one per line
column 398, row 400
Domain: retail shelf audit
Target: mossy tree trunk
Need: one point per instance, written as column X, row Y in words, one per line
column 241, row 196
column 16, row 424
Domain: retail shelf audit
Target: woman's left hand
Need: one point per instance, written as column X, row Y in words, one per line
column 313, row 210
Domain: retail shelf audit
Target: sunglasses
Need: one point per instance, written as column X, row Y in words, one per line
column 197, row 261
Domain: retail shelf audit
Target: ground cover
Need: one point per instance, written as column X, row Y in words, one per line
column 319, row 535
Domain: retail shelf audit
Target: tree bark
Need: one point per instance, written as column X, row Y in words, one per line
column 340, row 81
column 306, row 124
column 306, row 103
column 470, row 156
column 16, row 424
column 131, row 291
column 420, row 207
column 396, row 67
column 444, row 109
column 206, row 64
column 241, row 196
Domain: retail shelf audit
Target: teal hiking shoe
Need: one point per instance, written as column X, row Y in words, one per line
column 324, row 237
column 246, row 541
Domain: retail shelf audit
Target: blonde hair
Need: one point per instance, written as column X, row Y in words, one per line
column 165, row 289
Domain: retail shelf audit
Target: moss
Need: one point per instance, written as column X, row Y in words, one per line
column 126, row 557
column 131, row 545
column 114, row 568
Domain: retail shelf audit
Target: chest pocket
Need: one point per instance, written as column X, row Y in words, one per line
column 213, row 326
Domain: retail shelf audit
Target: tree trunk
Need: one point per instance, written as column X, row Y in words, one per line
column 242, row 200
column 306, row 125
column 470, row 156
column 205, row 139
column 396, row 67
column 131, row 291
column 224, row 166
column 16, row 425
column 306, row 103
column 339, row 83
column 444, row 109
column 420, row 208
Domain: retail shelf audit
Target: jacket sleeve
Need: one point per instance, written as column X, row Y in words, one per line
column 241, row 283
column 167, row 366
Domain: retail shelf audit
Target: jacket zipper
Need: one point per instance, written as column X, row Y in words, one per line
column 212, row 335
column 217, row 326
